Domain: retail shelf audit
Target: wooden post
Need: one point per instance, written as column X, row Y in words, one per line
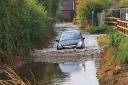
column 120, row 14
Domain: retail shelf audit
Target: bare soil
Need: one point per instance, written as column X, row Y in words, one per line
column 108, row 73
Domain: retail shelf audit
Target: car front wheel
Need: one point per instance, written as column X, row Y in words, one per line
column 59, row 48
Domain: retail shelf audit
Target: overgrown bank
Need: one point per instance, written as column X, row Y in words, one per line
column 113, row 68
column 24, row 24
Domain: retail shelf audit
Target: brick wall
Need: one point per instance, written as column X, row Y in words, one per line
column 68, row 9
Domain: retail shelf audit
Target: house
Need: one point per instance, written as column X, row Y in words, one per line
column 68, row 9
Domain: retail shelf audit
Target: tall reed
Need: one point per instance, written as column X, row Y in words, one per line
column 11, row 78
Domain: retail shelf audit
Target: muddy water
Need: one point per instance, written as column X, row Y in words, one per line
column 64, row 67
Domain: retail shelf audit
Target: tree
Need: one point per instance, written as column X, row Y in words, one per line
column 59, row 12
column 80, row 9
column 106, row 3
column 123, row 3
column 51, row 6
column 86, row 7
column 5, row 29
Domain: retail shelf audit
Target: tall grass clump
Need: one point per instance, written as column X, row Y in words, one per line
column 23, row 24
column 9, row 77
column 122, row 52
column 119, row 42
column 115, row 39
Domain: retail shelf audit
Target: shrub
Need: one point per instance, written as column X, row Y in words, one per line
column 101, row 29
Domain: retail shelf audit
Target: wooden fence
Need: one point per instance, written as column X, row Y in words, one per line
column 120, row 25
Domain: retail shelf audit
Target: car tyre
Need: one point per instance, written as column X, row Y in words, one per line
column 59, row 48
column 82, row 47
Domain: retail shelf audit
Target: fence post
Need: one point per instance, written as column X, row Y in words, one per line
column 120, row 14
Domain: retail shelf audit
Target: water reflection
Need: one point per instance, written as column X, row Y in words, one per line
column 69, row 68
column 80, row 74
column 83, row 73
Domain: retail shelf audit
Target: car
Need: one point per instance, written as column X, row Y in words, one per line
column 70, row 39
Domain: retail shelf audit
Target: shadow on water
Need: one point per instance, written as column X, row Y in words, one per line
column 83, row 73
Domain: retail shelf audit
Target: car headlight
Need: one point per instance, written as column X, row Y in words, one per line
column 59, row 45
column 79, row 44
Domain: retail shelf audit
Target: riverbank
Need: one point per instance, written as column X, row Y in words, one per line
column 109, row 73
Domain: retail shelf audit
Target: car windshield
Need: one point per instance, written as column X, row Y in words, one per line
column 70, row 35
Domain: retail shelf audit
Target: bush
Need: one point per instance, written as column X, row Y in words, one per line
column 101, row 29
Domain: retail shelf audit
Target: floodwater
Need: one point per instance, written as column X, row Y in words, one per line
column 65, row 67
column 79, row 74
column 68, row 73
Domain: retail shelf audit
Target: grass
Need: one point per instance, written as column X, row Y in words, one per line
column 115, row 40
column 103, row 41
column 11, row 78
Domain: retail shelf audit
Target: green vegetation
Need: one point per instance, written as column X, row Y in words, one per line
column 101, row 29
column 23, row 24
column 117, row 40
column 123, row 3
column 50, row 6
column 59, row 12
column 88, row 8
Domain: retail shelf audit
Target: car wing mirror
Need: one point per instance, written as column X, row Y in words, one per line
column 57, row 40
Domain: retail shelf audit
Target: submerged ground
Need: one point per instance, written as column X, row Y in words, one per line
column 65, row 67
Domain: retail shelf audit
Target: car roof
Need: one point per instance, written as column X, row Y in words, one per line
column 69, row 34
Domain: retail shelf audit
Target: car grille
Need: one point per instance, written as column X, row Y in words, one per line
column 70, row 46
